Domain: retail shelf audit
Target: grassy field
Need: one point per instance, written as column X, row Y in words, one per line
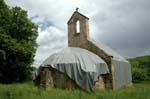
column 140, row 72
column 29, row 91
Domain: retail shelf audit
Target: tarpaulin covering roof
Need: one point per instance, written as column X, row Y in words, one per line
column 79, row 64
column 108, row 50
column 122, row 68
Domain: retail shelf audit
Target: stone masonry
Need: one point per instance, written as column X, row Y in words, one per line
column 83, row 40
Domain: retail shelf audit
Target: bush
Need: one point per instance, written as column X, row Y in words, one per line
column 139, row 75
column 140, row 68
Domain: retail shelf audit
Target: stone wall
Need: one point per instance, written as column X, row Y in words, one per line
column 46, row 80
column 51, row 78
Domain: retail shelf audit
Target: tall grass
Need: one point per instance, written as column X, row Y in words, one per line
column 29, row 91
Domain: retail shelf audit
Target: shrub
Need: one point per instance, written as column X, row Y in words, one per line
column 139, row 75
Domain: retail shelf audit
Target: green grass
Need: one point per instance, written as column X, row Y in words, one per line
column 29, row 91
column 136, row 91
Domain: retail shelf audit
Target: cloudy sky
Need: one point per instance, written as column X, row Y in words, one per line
column 123, row 25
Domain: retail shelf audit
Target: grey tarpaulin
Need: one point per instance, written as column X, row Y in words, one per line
column 79, row 64
column 122, row 68
column 122, row 73
column 107, row 50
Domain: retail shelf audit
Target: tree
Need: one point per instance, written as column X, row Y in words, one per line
column 17, row 44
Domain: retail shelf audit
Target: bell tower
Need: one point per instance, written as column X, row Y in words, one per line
column 78, row 30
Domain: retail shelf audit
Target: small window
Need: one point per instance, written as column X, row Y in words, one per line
column 78, row 26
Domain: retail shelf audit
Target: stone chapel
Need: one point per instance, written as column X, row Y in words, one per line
column 85, row 64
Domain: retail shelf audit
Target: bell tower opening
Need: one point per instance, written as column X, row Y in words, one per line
column 77, row 26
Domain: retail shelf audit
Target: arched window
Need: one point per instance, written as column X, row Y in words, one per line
column 78, row 26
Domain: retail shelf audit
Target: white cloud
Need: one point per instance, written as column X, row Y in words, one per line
column 122, row 24
column 49, row 40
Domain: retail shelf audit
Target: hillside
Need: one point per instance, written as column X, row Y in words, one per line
column 140, row 60
column 140, row 68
